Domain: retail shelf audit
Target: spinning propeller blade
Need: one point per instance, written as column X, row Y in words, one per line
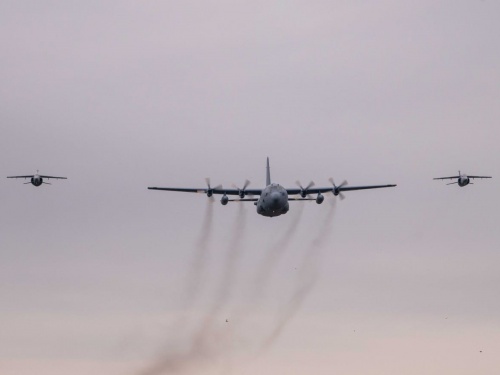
column 242, row 192
column 304, row 191
column 210, row 189
column 336, row 188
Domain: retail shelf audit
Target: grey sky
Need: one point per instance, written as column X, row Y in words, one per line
column 124, row 95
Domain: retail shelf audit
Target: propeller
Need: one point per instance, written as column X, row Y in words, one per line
column 336, row 188
column 242, row 192
column 304, row 190
column 210, row 189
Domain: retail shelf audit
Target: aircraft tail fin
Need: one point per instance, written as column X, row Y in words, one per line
column 268, row 174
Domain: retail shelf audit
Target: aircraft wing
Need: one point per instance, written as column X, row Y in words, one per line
column 478, row 176
column 348, row 188
column 27, row 176
column 59, row 178
column 218, row 190
column 185, row 190
column 315, row 190
column 446, row 178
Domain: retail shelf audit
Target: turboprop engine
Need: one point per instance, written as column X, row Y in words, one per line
column 210, row 190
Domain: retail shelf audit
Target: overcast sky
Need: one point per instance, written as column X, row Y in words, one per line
column 99, row 275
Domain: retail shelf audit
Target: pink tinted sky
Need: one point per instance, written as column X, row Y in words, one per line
column 124, row 95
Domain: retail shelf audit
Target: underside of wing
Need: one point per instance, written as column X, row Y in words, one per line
column 54, row 177
column 478, row 176
column 446, row 178
column 27, row 176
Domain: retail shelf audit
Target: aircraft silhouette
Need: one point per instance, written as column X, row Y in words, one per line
column 37, row 179
column 273, row 199
column 462, row 179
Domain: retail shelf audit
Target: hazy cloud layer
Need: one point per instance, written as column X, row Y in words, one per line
column 119, row 96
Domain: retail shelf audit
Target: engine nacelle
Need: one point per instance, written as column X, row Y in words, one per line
column 241, row 193
column 336, row 192
column 209, row 193
column 224, row 200
column 320, row 198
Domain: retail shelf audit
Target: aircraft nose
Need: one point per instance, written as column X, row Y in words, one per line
column 275, row 200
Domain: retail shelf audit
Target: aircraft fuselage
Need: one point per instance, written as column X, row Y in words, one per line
column 273, row 201
column 36, row 180
column 463, row 180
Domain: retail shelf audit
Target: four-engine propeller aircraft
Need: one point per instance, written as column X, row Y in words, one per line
column 462, row 179
column 273, row 199
column 37, row 179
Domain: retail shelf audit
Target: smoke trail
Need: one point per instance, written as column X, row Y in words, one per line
column 308, row 275
column 208, row 342
column 197, row 271
column 234, row 253
column 276, row 252
column 268, row 264
column 173, row 360
column 178, row 362
column 208, row 339
column 228, row 277
column 206, row 347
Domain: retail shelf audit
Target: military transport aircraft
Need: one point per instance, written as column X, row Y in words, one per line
column 463, row 179
column 37, row 179
column 274, row 198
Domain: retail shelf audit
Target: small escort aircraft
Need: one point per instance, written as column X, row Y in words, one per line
column 37, row 179
column 462, row 179
column 274, row 198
